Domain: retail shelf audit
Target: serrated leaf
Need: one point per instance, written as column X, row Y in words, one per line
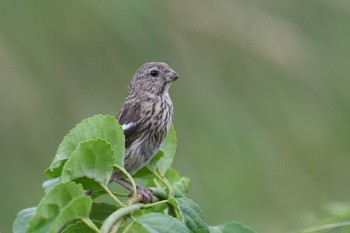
column 144, row 173
column 77, row 208
column 180, row 185
column 231, row 227
column 49, row 184
column 92, row 159
column 93, row 128
column 138, row 228
column 147, row 171
column 100, row 211
column 93, row 188
column 193, row 215
column 80, row 226
column 175, row 208
column 157, row 223
column 22, row 219
column 63, row 203
column 152, row 165
column 172, row 175
column 169, row 149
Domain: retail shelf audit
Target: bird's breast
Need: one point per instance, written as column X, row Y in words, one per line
column 159, row 115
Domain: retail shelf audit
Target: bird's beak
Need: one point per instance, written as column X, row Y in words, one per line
column 171, row 76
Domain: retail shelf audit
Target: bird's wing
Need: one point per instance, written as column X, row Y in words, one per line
column 130, row 120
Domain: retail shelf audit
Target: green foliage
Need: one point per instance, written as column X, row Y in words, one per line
column 85, row 160
column 93, row 128
column 23, row 217
column 63, row 203
column 92, row 159
column 156, row 222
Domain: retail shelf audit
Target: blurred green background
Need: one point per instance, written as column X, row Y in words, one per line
column 262, row 109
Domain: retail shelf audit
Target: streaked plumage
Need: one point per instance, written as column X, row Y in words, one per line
column 146, row 115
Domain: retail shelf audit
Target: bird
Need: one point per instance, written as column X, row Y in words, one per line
column 146, row 117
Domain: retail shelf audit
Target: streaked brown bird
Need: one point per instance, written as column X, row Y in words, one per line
column 146, row 117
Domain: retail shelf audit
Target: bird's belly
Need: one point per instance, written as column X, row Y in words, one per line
column 142, row 151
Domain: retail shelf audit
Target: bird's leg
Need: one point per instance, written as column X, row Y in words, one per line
column 144, row 192
column 125, row 183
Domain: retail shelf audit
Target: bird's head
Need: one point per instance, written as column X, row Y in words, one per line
column 153, row 78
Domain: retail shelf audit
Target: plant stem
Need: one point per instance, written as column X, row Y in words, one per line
column 115, row 227
column 162, row 178
column 90, row 224
column 160, row 193
column 105, row 188
column 120, row 194
column 154, row 204
column 129, row 177
column 134, row 199
column 117, row 216
column 156, row 183
column 127, row 228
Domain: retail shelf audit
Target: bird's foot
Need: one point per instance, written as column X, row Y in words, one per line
column 146, row 194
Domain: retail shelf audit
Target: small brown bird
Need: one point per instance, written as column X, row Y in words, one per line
column 146, row 117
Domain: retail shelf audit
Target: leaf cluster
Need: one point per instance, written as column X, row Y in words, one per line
column 85, row 160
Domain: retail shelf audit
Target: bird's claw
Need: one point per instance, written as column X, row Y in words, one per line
column 146, row 194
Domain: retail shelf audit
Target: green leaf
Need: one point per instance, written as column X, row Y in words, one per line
column 93, row 128
column 117, row 216
column 63, row 203
column 22, row 219
column 89, row 184
column 157, row 223
column 100, row 211
column 174, row 209
column 163, row 159
column 231, row 227
column 169, row 149
column 92, row 159
column 147, row 171
column 193, row 215
column 172, row 175
column 152, row 165
column 159, row 208
column 180, row 185
column 49, row 184
column 80, row 226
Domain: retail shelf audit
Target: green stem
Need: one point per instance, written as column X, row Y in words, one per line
column 127, row 228
column 161, row 177
column 129, row 177
column 115, row 227
column 156, row 183
column 120, row 194
column 177, row 214
column 116, row 216
column 90, row 224
column 160, row 193
column 105, row 188
column 154, row 204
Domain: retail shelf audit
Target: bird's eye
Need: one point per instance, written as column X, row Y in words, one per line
column 154, row 73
